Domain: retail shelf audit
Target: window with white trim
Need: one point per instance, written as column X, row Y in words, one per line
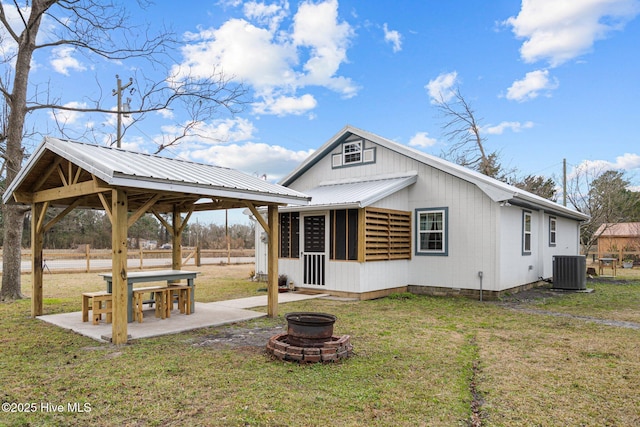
column 352, row 152
column 552, row 231
column 431, row 230
column 526, row 233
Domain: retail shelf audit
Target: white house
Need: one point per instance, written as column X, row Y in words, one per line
column 384, row 217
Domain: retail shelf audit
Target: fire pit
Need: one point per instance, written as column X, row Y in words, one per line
column 310, row 339
column 309, row 329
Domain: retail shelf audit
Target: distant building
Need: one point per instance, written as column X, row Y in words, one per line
column 616, row 239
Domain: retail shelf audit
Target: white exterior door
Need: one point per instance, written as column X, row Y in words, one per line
column 314, row 249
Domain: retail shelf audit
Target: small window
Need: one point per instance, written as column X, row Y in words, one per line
column 432, row 231
column 552, row 231
column 526, row 233
column 352, row 152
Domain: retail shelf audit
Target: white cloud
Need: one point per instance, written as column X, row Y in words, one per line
column 62, row 60
column 441, row 88
column 267, row 14
column 594, row 168
column 422, row 140
column 217, row 132
column 560, row 30
column 244, row 51
column 284, row 105
column 68, row 117
column 316, row 26
column 393, row 37
column 512, row 126
column 627, row 161
column 252, row 158
column 275, row 59
column 530, row 87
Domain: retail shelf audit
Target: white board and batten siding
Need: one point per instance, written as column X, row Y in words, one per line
column 483, row 234
column 471, row 232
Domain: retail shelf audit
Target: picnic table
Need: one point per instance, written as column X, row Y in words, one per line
column 611, row 263
column 152, row 276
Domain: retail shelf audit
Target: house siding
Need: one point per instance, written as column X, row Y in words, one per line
column 471, row 232
column 482, row 235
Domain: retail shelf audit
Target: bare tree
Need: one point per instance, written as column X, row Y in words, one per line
column 462, row 129
column 97, row 29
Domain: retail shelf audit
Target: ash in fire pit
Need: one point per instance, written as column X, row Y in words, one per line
column 310, row 339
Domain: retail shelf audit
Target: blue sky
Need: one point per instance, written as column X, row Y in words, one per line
column 548, row 79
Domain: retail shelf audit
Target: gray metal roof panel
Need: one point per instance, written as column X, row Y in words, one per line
column 128, row 168
column 361, row 193
column 498, row 191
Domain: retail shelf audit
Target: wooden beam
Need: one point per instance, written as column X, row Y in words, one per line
column 185, row 220
column 143, row 209
column 107, row 207
column 39, row 216
column 63, row 179
column 163, row 221
column 69, row 191
column 37, row 213
column 46, row 174
column 272, row 261
column 61, row 215
column 362, row 235
column 77, row 175
column 119, row 208
column 259, row 217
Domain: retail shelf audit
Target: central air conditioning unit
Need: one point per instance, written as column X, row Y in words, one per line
column 570, row 272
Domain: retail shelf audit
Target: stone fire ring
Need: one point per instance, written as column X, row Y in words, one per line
column 332, row 350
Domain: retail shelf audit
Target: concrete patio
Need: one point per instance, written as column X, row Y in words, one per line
column 205, row 315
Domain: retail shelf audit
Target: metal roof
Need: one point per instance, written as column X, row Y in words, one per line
column 358, row 193
column 621, row 229
column 496, row 190
column 148, row 174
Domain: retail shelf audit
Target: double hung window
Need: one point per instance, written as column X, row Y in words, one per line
column 431, row 231
column 552, row 231
column 526, row 233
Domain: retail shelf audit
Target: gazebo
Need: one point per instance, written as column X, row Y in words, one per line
column 126, row 185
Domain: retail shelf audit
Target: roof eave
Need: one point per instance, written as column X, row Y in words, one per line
column 209, row 191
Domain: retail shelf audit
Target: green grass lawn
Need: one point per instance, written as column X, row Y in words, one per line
column 415, row 361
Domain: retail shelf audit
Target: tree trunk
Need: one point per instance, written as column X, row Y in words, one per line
column 11, row 256
column 17, row 102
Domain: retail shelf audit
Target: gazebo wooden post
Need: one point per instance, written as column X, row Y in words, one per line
column 272, row 283
column 119, row 209
column 176, row 240
column 37, row 216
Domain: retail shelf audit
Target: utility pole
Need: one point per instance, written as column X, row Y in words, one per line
column 564, row 182
column 118, row 92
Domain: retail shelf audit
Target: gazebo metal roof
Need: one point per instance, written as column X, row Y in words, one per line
column 177, row 181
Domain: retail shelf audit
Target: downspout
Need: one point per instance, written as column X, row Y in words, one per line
column 480, row 276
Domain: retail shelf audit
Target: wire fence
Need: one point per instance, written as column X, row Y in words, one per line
column 90, row 260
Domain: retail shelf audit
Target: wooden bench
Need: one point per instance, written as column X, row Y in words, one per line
column 183, row 294
column 101, row 304
column 161, row 299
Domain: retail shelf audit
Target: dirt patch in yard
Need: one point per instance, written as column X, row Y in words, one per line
column 235, row 337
